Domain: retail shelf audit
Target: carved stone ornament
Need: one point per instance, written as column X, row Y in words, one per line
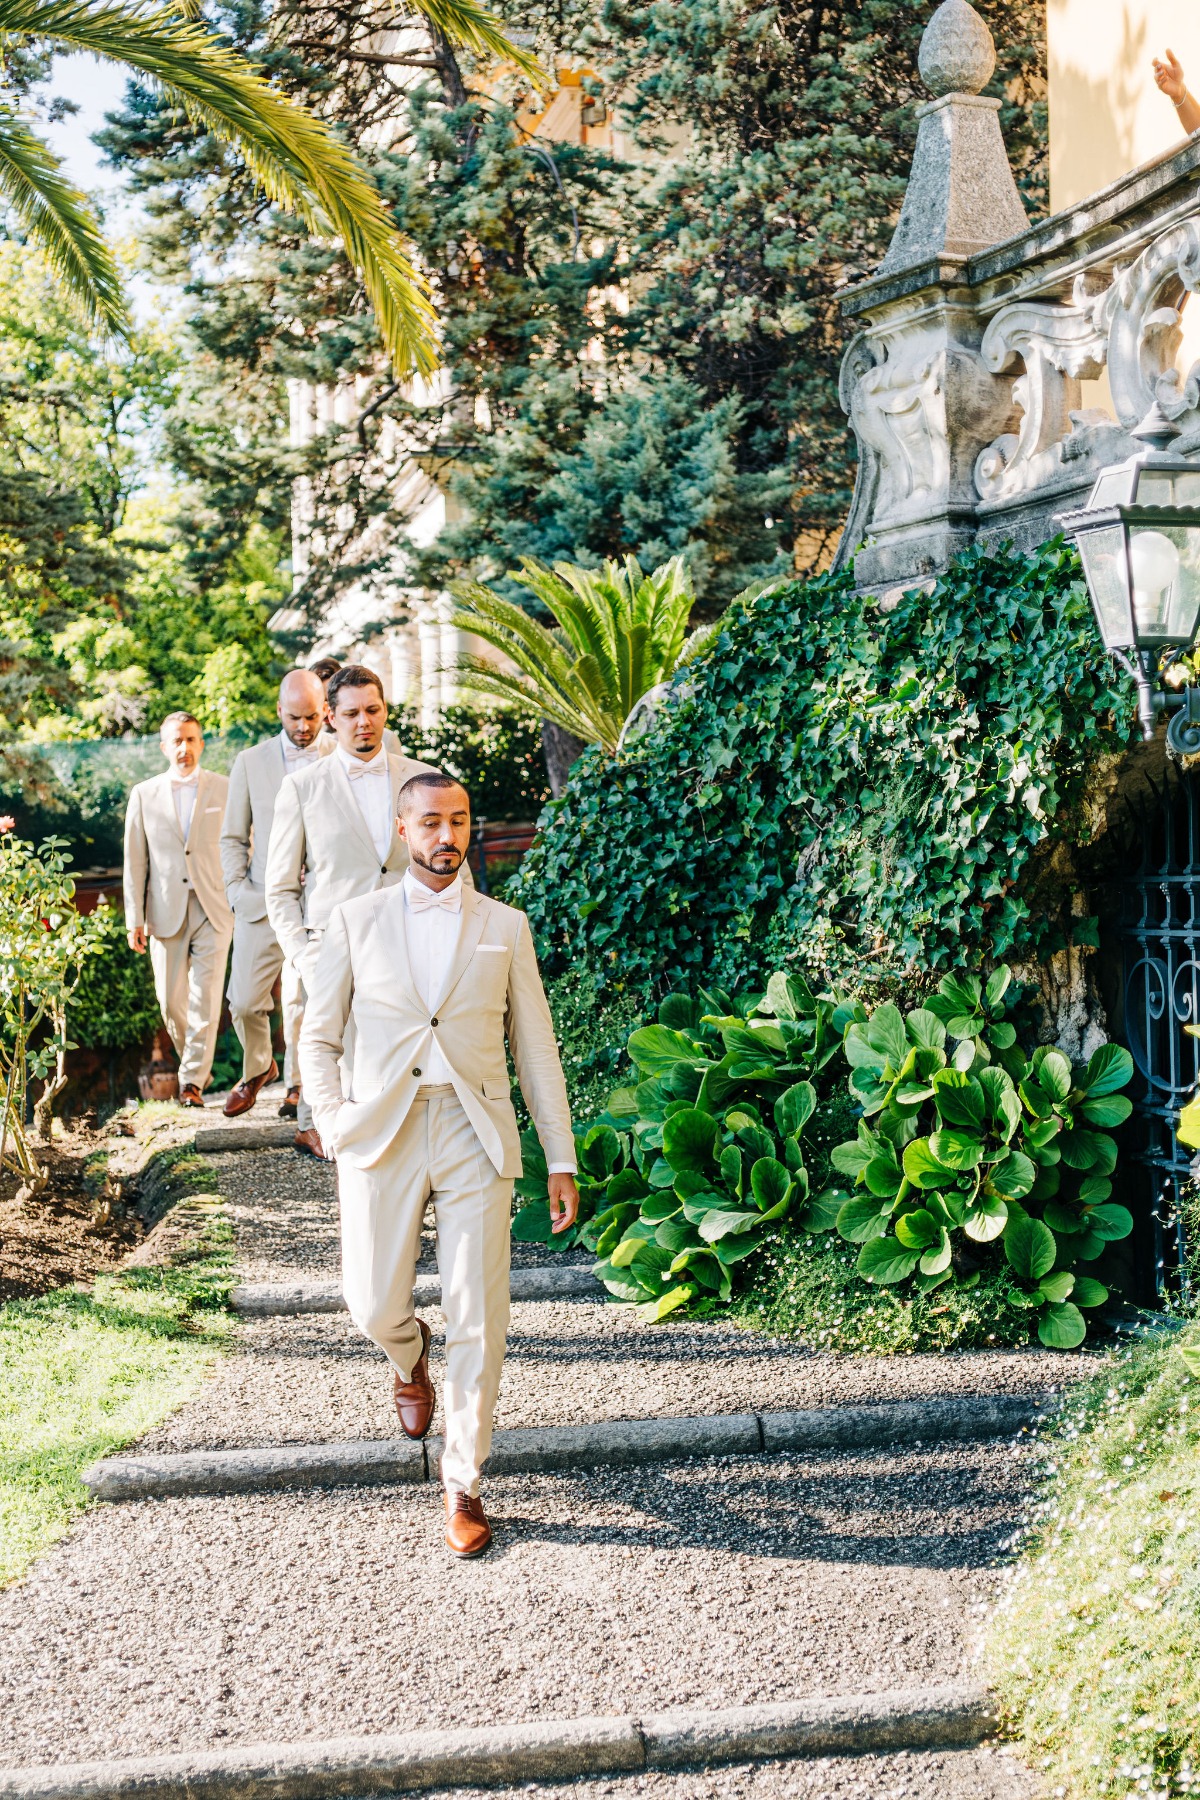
column 1142, row 312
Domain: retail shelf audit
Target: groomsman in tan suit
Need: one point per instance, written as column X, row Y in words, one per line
column 254, row 783
column 431, row 978
column 175, row 901
column 326, row 667
column 334, row 833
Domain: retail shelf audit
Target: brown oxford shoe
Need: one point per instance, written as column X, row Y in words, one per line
column 191, row 1095
column 242, row 1097
column 467, row 1530
column 310, row 1141
column 289, row 1106
column 415, row 1398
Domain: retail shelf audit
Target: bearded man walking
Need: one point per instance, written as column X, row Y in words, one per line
column 431, row 978
column 334, row 834
column 175, row 901
column 254, row 783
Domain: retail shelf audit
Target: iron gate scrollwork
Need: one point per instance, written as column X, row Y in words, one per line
column 1160, row 955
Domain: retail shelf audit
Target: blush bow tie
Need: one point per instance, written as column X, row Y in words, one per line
column 193, row 780
column 423, row 899
column 358, row 770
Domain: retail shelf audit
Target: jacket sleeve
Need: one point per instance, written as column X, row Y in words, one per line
column 285, row 865
column 235, row 831
column 323, row 1033
column 137, row 862
column 535, row 1054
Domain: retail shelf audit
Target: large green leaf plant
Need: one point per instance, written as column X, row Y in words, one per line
column 688, row 1172
column 971, row 1149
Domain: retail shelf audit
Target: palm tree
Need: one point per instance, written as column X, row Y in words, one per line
column 297, row 161
column 620, row 635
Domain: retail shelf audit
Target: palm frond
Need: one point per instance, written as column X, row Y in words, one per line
column 60, row 222
column 294, row 157
column 467, row 23
column 517, row 690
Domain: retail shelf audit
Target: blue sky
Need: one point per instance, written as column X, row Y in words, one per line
column 97, row 88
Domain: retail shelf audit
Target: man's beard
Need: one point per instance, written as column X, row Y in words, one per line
column 448, row 850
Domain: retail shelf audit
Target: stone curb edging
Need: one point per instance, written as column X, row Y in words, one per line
column 613, row 1443
column 552, row 1749
column 286, row 1299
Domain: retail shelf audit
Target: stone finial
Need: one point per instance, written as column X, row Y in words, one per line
column 957, row 55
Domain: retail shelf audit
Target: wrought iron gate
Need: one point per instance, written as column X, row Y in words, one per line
column 1160, row 991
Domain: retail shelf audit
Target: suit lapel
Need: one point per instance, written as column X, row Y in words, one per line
column 167, row 808
column 343, row 795
column 470, row 931
column 197, row 805
column 388, row 913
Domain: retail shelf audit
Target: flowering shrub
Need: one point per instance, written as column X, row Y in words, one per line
column 43, row 945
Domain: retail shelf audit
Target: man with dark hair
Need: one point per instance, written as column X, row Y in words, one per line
column 325, row 668
column 254, row 783
column 175, row 901
column 429, row 980
column 334, row 833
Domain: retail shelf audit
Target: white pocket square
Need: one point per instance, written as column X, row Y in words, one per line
column 491, row 949
column 212, row 809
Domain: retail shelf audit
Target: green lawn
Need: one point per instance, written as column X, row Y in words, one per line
column 1095, row 1648
column 83, row 1373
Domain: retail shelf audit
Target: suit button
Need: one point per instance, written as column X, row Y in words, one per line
column 383, row 868
column 416, row 1071
column 433, row 1021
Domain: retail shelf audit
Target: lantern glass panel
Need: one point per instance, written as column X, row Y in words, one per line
column 1104, row 565
column 1168, row 487
column 1114, row 487
column 1164, row 567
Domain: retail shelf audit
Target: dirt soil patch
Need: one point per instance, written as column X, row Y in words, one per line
column 54, row 1239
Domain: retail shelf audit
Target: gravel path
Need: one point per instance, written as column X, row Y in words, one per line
column 710, row 1584
column 964, row 1774
column 316, row 1379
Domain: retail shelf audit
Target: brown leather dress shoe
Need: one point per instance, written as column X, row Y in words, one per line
column 191, row 1095
column 289, row 1106
column 467, row 1530
column 242, row 1097
column 415, row 1398
column 310, row 1141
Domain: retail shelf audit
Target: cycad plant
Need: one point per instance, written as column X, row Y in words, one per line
column 297, row 161
column 618, row 634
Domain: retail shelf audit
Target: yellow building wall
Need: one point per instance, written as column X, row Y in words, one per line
column 1106, row 115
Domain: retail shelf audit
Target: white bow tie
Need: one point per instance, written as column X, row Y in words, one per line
column 192, row 780
column 357, row 770
column 423, row 899
column 300, row 752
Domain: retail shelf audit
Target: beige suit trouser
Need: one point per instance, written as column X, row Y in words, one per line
column 436, row 1153
column 189, row 979
column 257, row 963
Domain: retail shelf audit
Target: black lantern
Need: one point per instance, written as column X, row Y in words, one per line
column 1139, row 541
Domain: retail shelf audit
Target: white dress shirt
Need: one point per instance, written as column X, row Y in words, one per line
column 184, row 791
column 370, row 783
column 297, row 757
column 432, row 932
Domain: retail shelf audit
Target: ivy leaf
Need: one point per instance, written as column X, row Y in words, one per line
column 1030, row 1247
column 884, row 1261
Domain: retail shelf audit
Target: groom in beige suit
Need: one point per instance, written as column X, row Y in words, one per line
column 175, row 901
column 334, row 834
column 432, row 978
column 254, row 783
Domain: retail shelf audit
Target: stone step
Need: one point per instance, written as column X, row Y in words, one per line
column 540, row 1750
column 285, row 1299
column 615, row 1443
column 218, row 1134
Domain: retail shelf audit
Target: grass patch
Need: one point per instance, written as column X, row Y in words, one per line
column 1094, row 1647
column 84, row 1372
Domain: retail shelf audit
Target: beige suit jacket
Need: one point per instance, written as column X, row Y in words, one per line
column 158, row 863
column 254, row 783
column 493, row 991
column 319, row 833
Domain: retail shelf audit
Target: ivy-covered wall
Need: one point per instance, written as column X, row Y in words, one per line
column 868, row 792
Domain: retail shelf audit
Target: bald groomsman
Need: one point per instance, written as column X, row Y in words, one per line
column 175, row 901
column 334, row 835
column 254, row 783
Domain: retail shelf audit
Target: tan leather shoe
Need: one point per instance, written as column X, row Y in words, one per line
column 242, row 1097
column 467, row 1530
column 191, row 1095
column 415, row 1398
column 310, row 1141
column 289, row 1106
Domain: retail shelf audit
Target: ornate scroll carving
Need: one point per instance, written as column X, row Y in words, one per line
column 1142, row 313
column 1056, row 347
column 896, row 407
